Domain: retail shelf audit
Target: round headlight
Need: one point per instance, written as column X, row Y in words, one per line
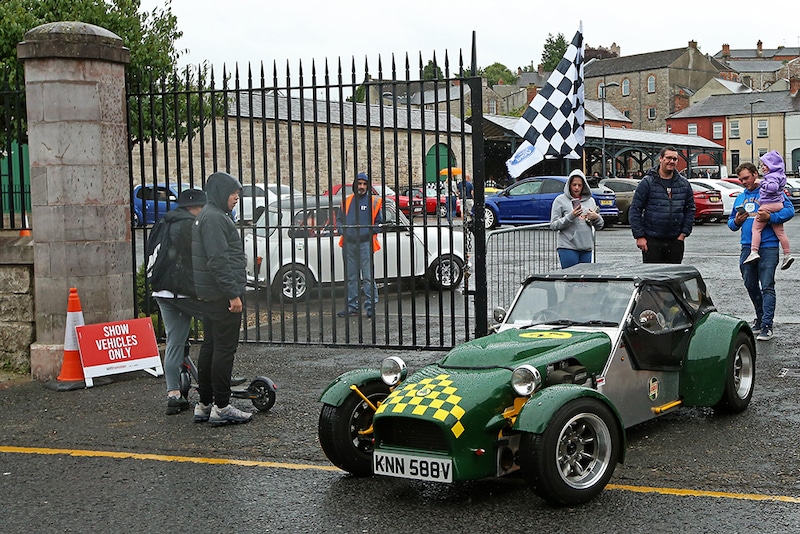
column 393, row 370
column 525, row 380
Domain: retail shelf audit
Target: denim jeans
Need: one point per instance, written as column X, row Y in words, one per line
column 215, row 362
column 569, row 257
column 177, row 315
column 359, row 268
column 759, row 280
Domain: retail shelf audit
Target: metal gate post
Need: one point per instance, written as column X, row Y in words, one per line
column 478, row 228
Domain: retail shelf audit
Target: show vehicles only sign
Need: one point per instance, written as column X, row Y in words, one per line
column 120, row 347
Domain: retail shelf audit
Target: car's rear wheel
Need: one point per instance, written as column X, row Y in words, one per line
column 446, row 272
column 137, row 221
column 489, row 219
column 573, row 459
column 293, row 283
column 740, row 376
column 441, row 211
column 345, row 431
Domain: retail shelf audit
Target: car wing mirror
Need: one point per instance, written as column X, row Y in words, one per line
column 499, row 314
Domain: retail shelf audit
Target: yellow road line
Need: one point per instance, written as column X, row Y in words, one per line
column 163, row 458
column 281, row 465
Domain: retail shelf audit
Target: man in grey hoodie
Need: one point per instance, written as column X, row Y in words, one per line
column 574, row 214
column 220, row 279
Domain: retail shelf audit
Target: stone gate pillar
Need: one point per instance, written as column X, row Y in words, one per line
column 80, row 193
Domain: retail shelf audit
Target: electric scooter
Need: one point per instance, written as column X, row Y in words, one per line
column 261, row 390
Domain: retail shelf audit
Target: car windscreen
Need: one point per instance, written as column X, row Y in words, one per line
column 589, row 302
column 268, row 221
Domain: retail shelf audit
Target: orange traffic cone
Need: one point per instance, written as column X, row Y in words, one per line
column 25, row 230
column 71, row 368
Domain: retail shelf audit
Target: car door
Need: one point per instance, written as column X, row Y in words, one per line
column 158, row 200
column 551, row 188
column 518, row 202
column 400, row 250
column 658, row 331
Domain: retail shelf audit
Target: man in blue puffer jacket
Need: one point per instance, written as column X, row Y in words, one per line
column 662, row 211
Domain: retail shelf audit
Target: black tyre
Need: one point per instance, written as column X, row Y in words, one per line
column 740, row 376
column 293, row 283
column 573, row 459
column 446, row 273
column 441, row 211
column 489, row 219
column 266, row 394
column 342, row 429
column 185, row 382
column 136, row 220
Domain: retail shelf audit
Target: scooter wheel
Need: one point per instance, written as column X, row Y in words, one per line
column 264, row 397
column 185, row 382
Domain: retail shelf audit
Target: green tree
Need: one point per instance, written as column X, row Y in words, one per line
column 431, row 71
column 496, row 72
column 150, row 36
column 554, row 49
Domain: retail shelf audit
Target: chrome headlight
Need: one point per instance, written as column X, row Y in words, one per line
column 525, row 380
column 393, row 370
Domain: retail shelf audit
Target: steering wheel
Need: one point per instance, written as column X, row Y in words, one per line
column 545, row 316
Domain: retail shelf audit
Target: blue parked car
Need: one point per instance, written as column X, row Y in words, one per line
column 529, row 201
column 151, row 202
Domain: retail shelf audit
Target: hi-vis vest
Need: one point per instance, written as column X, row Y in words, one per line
column 376, row 207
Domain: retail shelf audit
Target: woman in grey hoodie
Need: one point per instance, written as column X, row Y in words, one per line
column 574, row 214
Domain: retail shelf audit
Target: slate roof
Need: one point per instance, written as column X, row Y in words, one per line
column 755, row 65
column 634, row 63
column 533, row 78
column 344, row 113
column 595, row 109
column 739, row 104
column 766, row 53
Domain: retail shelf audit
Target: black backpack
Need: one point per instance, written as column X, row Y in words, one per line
column 169, row 255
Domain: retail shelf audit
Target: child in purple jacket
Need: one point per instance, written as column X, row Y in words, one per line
column 770, row 198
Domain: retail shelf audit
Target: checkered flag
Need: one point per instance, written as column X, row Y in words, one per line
column 553, row 123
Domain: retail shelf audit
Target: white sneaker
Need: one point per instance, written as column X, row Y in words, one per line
column 228, row 415
column 752, row 257
column 788, row 260
column 201, row 412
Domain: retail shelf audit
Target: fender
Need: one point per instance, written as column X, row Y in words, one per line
column 338, row 390
column 540, row 409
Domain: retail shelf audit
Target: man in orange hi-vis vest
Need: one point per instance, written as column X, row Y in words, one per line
column 358, row 223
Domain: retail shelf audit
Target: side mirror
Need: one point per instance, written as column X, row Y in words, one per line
column 499, row 314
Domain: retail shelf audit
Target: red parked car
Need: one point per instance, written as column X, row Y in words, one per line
column 707, row 205
column 433, row 205
column 409, row 207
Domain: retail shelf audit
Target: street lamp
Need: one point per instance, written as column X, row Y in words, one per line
column 603, row 87
column 752, row 137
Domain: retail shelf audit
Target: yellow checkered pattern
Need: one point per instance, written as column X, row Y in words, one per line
column 435, row 397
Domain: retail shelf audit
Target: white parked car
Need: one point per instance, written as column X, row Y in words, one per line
column 728, row 191
column 295, row 246
column 255, row 196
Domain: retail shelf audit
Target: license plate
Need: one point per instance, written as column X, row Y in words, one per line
column 605, row 202
column 796, row 193
column 713, row 199
column 408, row 466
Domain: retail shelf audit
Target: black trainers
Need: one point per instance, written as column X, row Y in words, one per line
column 347, row 313
column 176, row 405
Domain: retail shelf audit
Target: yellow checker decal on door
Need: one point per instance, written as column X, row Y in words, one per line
column 546, row 335
column 435, row 397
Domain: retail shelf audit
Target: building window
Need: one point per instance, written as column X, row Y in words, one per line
column 627, row 113
column 761, row 152
column 762, row 130
column 691, row 128
column 734, row 130
column 493, row 106
column 717, row 130
column 735, row 159
column 651, row 84
column 600, row 91
column 626, row 87
column 651, row 113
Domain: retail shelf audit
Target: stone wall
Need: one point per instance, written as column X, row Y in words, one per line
column 17, row 325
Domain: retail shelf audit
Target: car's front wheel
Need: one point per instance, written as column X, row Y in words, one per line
column 442, row 211
column 573, row 459
column 446, row 272
column 740, row 376
column 345, row 431
column 489, row 219
column 293, row 283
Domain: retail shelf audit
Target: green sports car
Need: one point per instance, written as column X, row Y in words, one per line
column 581, row 355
